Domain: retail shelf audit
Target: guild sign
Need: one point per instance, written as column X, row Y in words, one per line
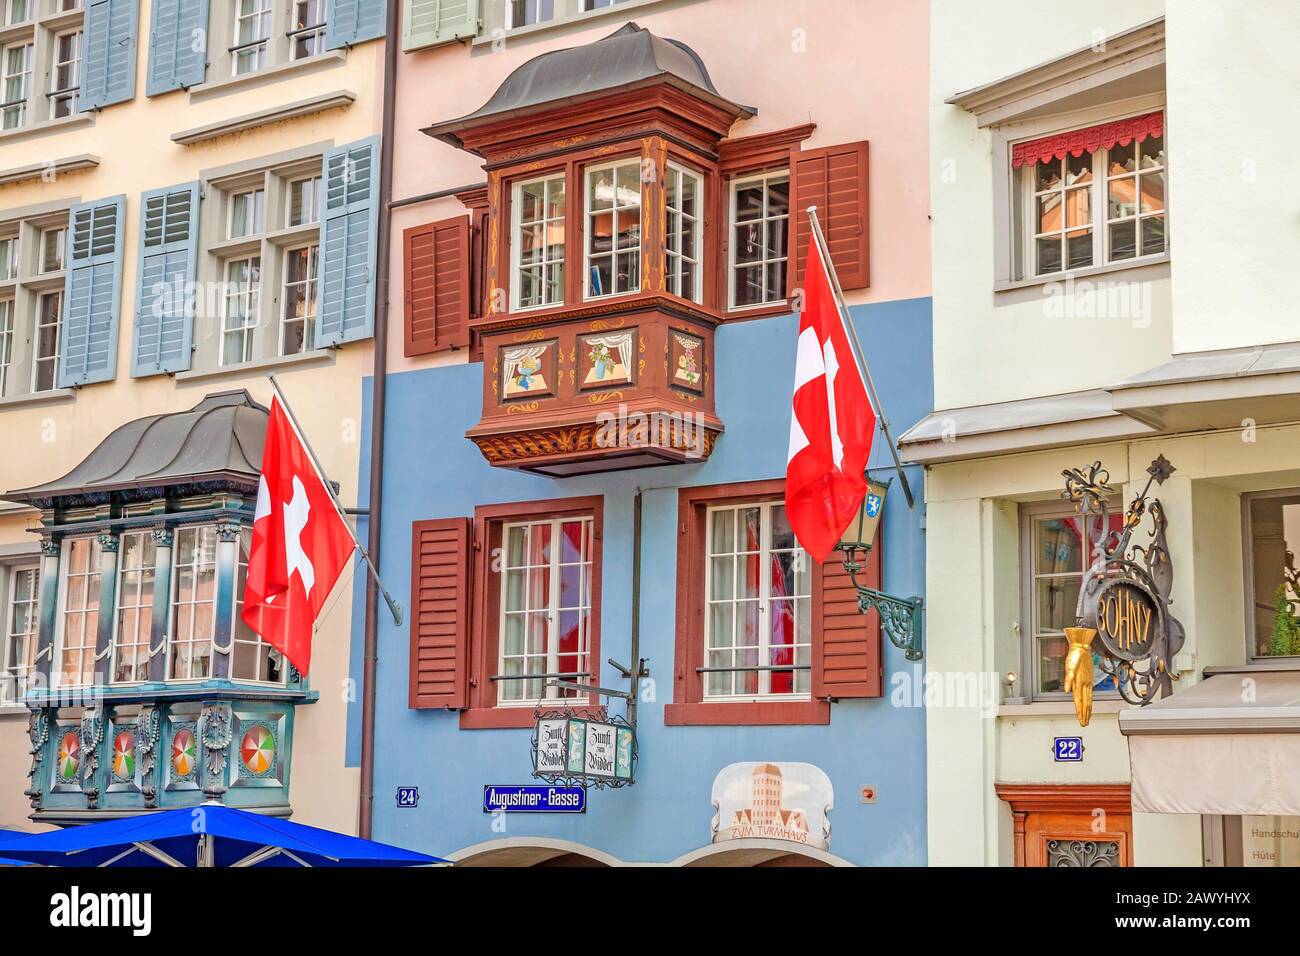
column 1128, row 619
column 582, row 752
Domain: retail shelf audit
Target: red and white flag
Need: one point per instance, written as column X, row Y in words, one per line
column 833, row 422
column 300, row 544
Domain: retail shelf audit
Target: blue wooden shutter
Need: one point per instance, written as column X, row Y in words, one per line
column 352, row 21
column 178, row 45
column 346, row 296
column 164, row 303
column 430, row 22
column 108, row 68
column 91, row 292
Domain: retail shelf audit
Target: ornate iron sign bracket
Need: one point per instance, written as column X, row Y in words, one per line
column 1123, row 612
column 900, row 618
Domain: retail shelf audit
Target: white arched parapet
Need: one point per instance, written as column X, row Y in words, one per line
column 526, row 851
column 753, row 852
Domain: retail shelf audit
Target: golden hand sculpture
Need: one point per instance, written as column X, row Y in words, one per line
column 1078, row 671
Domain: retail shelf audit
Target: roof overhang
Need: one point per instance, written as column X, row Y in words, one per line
column 1205, row 390
column 1228, row 745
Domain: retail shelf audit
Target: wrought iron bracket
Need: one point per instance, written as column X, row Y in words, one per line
column 902, row 619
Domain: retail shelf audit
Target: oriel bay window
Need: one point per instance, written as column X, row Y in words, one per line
column 22, row 589
column 79, row 611
column 631, row 224
column 137, row 554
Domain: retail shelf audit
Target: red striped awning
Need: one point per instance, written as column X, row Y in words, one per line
column 1090, row 139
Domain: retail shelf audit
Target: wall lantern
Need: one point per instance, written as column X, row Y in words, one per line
column 901, row 618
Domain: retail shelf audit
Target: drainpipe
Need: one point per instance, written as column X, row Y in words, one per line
column 392, row 50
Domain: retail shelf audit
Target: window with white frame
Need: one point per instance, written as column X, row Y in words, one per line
column 47, row 341
column 758, row 606
column 307, row 32
column 588, row 5
column 15, row 84
column 298, row 318
column 303, row 207
column 194, row 607
column 66, row 75
column 760, row 218
column 252, row 30
column 239, row 309
column 1102, row 207
column 1055, row 544
column 53, row 243
column 683, row 200
column 538, row 249
column 137, row 557
column 252, row 657
column 247, row 213
column 79, row 611
column 612, row 258
column 18, row 11
column 8, row 258
column 522, row 13
column 6, row 342
column 545, row 622
column 20, row 630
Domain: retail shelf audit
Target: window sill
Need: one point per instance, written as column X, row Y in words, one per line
column 756, row 713
column 272, row 74
column 1060, row 708
column 33, row 130
column 576, row 21
column 758, row 312
column 501, row 718
column 265, row 117
column 13, row 711
column 1010, row 285
column 314, row 357
column 51, row 396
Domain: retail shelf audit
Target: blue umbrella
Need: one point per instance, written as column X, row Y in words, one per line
column 7, row 835
column 207, row 835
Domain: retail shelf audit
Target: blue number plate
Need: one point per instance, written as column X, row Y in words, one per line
column 1067, row 749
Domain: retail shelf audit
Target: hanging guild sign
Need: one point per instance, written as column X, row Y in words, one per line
column 1123, row 622
column 583, row 752
column 773, row 801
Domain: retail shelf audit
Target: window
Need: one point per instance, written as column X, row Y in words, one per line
column 17, row 11
column 15, row 81
column 525, row 12
column 194, row 609
column 1064, row 197
column 307, row 38
column 760, row 217
column 49, row 332
column 298, row 322
column 8, row 258
column 6, row 343
column 252, row 30
column 613, row 225
column 1055, row 554
column 539, row 243
column 588, row 5
column 1272, row 525
column 67, row 74
column 239, row 309
column 79, row 620
column 683, row 192
column 545, row 583
column 53, row 241
column 758, row 599
column 135, row 581
column 247, row 213
column 304, row 201
column 253, row 658
column 20, row 622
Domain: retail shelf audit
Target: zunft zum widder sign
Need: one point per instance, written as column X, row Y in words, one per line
column 583, row 752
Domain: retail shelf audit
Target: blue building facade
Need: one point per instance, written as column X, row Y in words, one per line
column 432, row 472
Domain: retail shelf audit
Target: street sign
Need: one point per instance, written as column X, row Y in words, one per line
column 534, row 799
column 578, row 751
column 1067, row 749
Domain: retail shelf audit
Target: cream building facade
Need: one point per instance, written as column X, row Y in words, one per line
column 164, row 228
column 1114, row 222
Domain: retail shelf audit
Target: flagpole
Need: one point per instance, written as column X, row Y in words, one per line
column 393, row 607
column 859, row 356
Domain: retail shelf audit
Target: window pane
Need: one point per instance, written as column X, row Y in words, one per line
column 1123, row 240
column 1049, row 255
column 1047, row 176
column 1153, row 192
column 1123, row 197
column 1153, row 152
column 1153, row 235
column 1121, row 160
column 1274, row 541
column 1051, row 664
column 1056, row 600
column 1058, row 546
column 1078, row 169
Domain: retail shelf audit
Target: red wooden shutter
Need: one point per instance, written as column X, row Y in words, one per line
column 846, row 650
column 440, row 612
column 437, row 281
column 834, row 179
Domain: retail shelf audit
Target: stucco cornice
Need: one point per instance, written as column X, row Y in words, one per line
column 1122, row 54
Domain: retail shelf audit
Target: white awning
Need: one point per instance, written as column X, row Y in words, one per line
column 1228, row 745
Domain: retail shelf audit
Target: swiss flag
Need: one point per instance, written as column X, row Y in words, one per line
column 833, row 422
column 300, row 545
